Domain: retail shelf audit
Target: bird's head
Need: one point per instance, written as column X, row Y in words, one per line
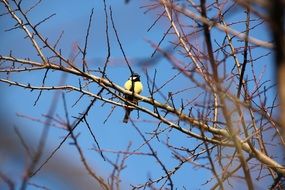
column 135, row 77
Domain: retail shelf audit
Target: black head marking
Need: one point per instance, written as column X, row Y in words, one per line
column 135, row 77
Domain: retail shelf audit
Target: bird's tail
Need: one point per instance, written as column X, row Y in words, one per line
column 127, row 115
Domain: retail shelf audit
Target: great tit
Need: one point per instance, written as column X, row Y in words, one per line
column 134, row 85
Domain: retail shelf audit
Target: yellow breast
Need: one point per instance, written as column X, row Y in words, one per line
column 137, row 86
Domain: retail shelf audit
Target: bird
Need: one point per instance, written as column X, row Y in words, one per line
column 134, row 85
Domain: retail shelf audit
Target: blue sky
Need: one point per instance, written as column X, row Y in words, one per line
column 132, row 24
